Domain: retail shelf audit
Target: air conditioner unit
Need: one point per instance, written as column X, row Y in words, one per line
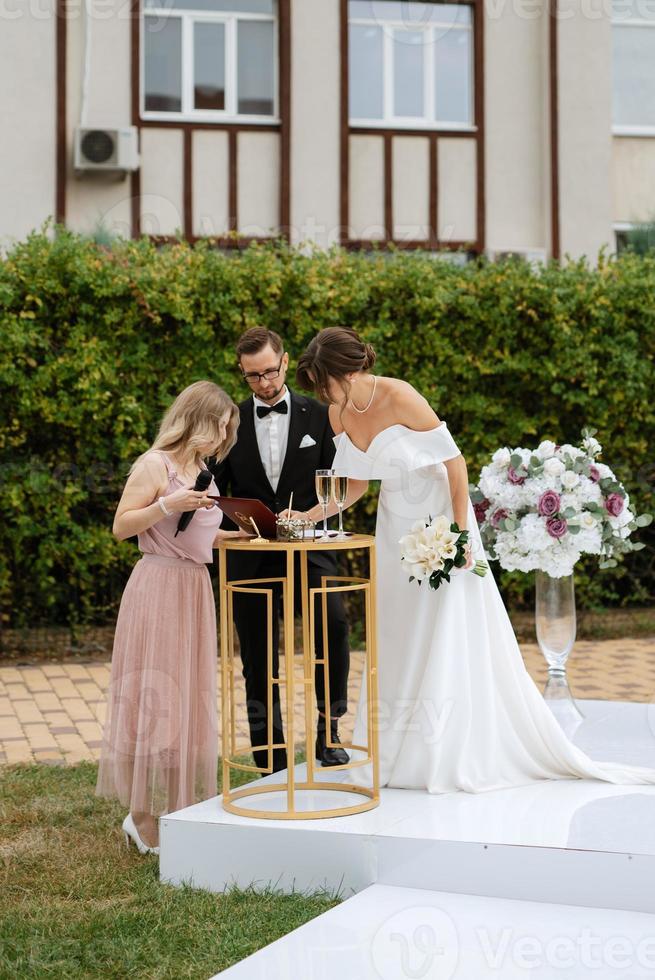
column 106, row 149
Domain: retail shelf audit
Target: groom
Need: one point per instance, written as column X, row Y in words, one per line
column 283, row 439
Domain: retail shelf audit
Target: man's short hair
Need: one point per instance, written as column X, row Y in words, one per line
column 255, row 339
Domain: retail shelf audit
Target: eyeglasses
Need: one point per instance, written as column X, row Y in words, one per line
column 253, row 378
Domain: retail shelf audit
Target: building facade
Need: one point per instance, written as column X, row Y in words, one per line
column 486, row 125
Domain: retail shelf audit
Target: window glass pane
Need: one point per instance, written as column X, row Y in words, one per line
column 365, row 72
column 412, row 14
column 255, row 68
column 627, row 10
column 408, row 55
column 209, row 66
column 163, row 64
column 634, row 76
column 453, row 75
column 233, row 6
column 451, row 13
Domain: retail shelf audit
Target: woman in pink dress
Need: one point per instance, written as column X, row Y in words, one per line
column 160, row 745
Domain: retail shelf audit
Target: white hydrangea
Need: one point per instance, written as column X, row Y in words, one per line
column 532, row 534
column 589, row 491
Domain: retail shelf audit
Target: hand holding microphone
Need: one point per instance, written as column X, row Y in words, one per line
column 194, row 497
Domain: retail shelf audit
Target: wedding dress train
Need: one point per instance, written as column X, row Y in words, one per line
column 457, row 708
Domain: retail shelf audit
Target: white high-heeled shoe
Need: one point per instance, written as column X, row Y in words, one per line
column 130, row 831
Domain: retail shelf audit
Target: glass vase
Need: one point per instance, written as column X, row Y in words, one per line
column 555, row 623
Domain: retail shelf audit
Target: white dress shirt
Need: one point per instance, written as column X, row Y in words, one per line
column 272, row 435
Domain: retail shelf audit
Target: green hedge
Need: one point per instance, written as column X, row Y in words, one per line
column 95, row 342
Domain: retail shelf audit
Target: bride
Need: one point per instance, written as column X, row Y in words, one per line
column 457, row 709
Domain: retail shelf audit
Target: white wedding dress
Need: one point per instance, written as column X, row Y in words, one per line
column 457, row 707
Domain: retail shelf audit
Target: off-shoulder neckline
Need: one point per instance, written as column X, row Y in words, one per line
column 388, row 428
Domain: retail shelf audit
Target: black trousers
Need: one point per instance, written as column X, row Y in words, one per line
column 250, row 614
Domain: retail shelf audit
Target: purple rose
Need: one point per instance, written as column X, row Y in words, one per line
column 513, row 477
column 549, row 503
column 481, row 509
column 594, row 473
column 556, row 527
column 614, row 504
column 498, row 516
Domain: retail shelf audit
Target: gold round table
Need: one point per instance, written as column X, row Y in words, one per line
column 265, row 586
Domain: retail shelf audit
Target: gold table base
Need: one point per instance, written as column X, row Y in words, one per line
column 309, row 597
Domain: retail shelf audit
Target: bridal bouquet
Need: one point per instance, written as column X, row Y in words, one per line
column 543, row 508
column 433, row 548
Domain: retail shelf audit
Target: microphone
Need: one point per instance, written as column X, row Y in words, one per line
column 203, row 480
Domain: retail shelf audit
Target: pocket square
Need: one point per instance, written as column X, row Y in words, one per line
column 307, row 441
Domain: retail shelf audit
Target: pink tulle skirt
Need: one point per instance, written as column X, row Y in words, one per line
column 160, row 743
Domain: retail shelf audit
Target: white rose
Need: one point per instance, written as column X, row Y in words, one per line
column 546, row 449
column 587, row 521
column 592, row 446
column 570, row 479
column 502, row 456
column 568, row 450
column 554, row 467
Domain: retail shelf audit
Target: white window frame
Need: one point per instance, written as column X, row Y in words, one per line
column 618, row 130
column 188, row 113
column 427, row 121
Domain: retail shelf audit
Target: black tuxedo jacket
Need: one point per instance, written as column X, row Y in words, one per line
column 242, row 472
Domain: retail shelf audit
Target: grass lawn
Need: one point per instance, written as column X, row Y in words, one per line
column 75, row 902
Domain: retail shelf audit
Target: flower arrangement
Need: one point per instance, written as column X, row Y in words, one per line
column 433, row 548
column 544, row 508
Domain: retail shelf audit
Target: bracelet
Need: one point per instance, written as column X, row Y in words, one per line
column 162, row 507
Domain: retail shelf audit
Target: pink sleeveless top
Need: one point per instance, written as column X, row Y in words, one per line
column 194, row 544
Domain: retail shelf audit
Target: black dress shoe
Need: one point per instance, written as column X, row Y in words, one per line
column 324, row 754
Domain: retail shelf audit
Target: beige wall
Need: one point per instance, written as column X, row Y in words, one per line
column 366, row 187
column 515, row 109
column 457, row 192
column 315, row 121
column 97, row 198
column 258, row 184
column 27, row 103
column 603, row 179
column 633, row 179
column 162, row 210
column 210, row 171
column 585, row 129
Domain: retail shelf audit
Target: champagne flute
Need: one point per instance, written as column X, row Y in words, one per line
column 324, row 492
column 339, row 494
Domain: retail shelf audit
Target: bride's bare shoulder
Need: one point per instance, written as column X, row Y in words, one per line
column 412, row 408
column 335, row 421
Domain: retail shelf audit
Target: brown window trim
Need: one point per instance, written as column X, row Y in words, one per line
column 432, row 135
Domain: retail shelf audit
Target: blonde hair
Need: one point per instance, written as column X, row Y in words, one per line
column 191, row 427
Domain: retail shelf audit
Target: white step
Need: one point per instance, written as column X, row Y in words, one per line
column 572, row 842
column 393, row 933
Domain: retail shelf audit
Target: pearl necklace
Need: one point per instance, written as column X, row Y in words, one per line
column 362, row 410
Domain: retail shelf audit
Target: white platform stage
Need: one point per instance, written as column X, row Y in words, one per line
column 581, row 843
column 393, row 933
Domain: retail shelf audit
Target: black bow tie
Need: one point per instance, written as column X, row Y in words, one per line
column 264, row 410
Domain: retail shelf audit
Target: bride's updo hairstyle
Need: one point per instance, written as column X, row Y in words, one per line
column 333, row 353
